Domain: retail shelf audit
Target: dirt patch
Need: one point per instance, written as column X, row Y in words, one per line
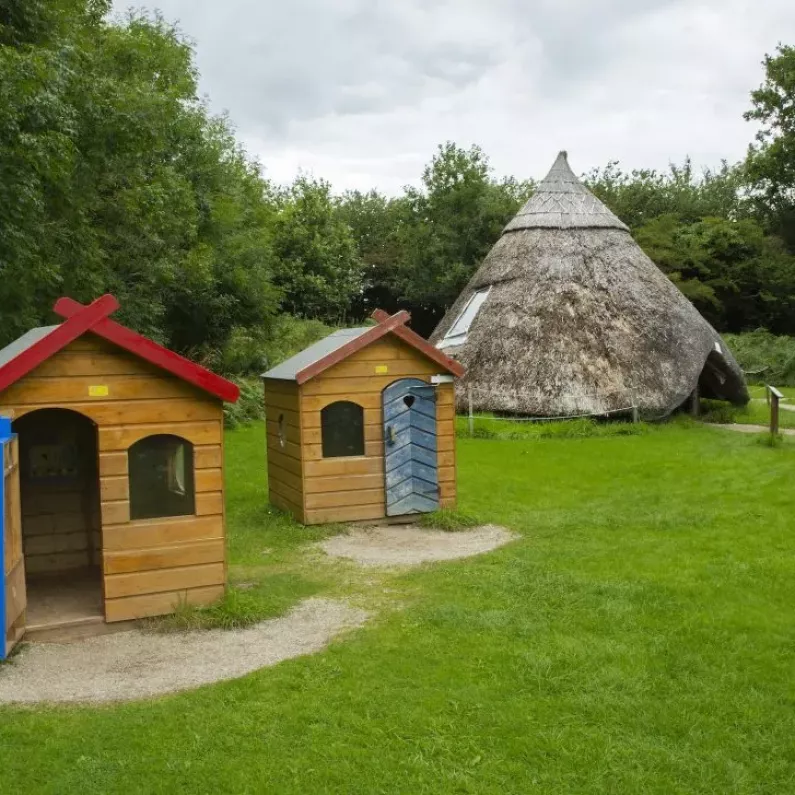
column 130, row 665
column 406, row 545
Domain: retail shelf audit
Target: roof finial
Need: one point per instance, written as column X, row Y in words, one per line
column 561, row 201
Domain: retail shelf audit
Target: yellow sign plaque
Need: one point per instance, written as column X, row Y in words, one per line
column 381, row 369
column 100, row 390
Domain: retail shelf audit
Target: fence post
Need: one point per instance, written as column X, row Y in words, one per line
column 695, row 402
column 635, row 416
column 775, row 396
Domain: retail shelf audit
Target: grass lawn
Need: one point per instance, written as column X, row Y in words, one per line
column 637, row 638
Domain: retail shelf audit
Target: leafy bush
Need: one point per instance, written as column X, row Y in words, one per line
column 244, row 352
column 720, row 412
column 290, row 335
column 247, row 355
column 765, row 357
column 250, row 405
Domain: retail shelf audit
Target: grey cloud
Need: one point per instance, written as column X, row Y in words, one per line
column 275, row 65
column 360, row 91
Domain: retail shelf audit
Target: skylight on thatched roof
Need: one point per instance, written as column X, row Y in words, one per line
column 458, row 331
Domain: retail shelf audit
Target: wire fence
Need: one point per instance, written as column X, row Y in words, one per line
column 630, row 409
column 553, row 418
column 691, row 403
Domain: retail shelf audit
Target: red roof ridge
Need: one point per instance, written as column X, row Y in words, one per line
column 385, row 324
column 145, row 349
column 81, row 320
column 421, row 344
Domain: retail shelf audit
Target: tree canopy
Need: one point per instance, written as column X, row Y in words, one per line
column 114, row 176
column 770, row 164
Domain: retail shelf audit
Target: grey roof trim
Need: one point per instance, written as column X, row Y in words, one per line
column 563, row 202
column 20, row 345
column 289, row 369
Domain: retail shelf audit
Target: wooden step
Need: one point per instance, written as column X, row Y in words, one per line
column 74, row 629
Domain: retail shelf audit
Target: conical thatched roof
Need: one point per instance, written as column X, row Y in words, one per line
column 567, row 315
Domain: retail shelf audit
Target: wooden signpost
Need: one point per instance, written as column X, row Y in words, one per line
column 773, row 398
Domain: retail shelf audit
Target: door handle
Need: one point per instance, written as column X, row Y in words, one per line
column 391, row 436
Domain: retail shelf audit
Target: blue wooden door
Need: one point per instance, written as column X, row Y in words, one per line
column 412, row 481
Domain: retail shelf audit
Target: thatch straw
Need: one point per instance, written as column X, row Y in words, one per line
column 580, row 320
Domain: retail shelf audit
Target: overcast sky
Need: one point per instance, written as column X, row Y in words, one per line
column 360, row 92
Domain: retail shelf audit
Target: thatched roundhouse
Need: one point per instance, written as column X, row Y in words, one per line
column 567, row 315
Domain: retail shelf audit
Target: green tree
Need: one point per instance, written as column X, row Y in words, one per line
column 114, row 177
column 738, row 276
column 317, row 263
column 770, row 164
column 374, row 221
column 448, row 226
column 643, row 194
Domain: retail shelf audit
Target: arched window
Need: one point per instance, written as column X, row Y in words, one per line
column 342, row 429
column 161, row 477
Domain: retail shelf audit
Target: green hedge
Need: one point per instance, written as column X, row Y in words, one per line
column 766, row 358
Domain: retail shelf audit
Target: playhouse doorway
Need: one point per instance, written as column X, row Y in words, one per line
column 61, row 519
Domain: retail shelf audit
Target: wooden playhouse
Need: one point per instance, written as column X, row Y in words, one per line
column 361, row 426
column 114, row 487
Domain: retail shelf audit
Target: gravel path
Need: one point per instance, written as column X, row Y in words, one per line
column 405, row 545
column 754, row 429
column 130, row 665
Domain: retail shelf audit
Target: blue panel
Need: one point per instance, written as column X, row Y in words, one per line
column 414, row 503
column 5, row 438
column 411, row 419
column 419, row 406
column 398, row 458
column 410, row 469
column 400, row 423
column 402, row 490
column 423, row 422
column 399, row 474
column 412, row 481
column 425, row 457
column 425, row 409
column 423, row 438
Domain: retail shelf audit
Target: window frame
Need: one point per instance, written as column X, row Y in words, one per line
column 140, row 486
column 458, row 332
column 326, row 442
column 282, row 428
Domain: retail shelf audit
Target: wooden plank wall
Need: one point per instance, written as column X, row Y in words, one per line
column 351, row 489
column 285, row 476
column 149, row 565
column 57, row 530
